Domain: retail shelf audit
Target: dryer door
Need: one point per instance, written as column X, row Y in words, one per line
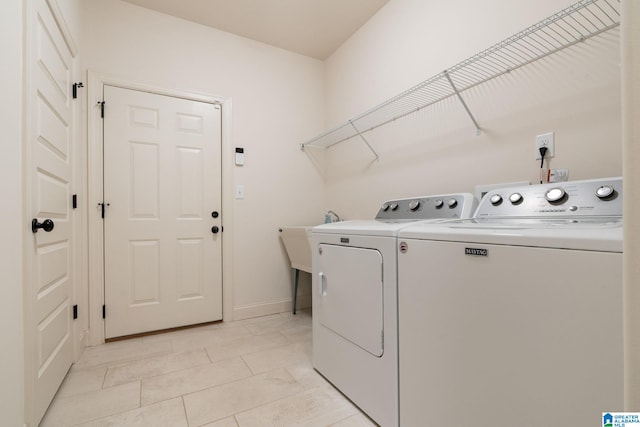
column 350, row 299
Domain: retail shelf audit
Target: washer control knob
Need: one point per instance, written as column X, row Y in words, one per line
column 393, row 206
column 496, row 199
column 452, row 203
column 555, row 194
column 414, row 204
column 439, row 203
column 516, row 198
column 604, row 192
column 385, row 207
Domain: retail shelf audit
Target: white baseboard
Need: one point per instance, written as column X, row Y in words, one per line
column 274, row 307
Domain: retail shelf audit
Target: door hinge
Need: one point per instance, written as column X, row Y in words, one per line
column 101, row 104
column 75, row 89
column 104, row 311
column 75, row 312
column 74, row 201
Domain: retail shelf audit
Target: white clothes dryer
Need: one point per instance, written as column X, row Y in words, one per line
column 514, row 317
column 355, row 344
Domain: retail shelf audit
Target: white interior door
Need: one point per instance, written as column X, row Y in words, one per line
column 49, row 164
column 162, row 184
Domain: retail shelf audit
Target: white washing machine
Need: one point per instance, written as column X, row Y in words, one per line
column 515, row 317
column 355, row 344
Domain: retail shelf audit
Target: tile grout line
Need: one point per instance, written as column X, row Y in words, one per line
column 202, row 389
column 184, row 409
column 288, row 343
column 109, row 415
column 164, row 373
column 253, row 374
column 208, row 355
column 116, row 363
column 272, row 402
column 255, row 407
column 241, row 379
column 230, row 382
column 104, row 378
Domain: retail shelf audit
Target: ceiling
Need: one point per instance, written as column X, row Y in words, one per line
column 314, row 28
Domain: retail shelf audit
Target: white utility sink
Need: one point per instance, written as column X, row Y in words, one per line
column 296, row 241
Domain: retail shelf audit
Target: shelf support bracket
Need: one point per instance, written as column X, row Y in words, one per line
column 364, row 139
column 464, row 104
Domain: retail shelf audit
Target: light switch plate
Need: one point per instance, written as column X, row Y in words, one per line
column 239, row 191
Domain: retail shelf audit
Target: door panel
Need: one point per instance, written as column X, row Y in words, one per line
column 162, row 180
column 350, row 300
column 49, row 187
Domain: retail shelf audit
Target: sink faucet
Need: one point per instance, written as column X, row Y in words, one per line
column 331, row 216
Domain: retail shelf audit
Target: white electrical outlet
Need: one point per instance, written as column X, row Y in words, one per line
column 545, row 140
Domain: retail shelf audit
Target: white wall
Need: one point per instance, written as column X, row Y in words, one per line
column 277, row 99
column 575, row 94
column 11, row 217
column 631, row 136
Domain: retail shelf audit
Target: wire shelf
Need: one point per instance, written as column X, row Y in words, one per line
column 575, row 24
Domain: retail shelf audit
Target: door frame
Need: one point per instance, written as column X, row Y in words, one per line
column 96, row 83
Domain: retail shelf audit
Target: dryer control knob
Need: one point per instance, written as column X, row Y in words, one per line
column 385, row 207
column 439, row 203
column 555, row 194
column 516, row 198
column 496, row 199
column 393, row 206
column 414, row 204
column 605, row 192
column 452, row 203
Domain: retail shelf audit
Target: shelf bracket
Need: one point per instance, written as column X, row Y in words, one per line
column 464, row 104
column 364, row 139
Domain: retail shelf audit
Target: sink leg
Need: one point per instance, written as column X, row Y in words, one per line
column 296, row 276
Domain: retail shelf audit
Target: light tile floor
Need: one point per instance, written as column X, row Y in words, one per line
column 254, row 372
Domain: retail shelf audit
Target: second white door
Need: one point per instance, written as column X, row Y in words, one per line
column 162, row 221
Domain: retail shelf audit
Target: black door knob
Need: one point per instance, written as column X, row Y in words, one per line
column 215, row 229
column 46, row 225
column 214, row 214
